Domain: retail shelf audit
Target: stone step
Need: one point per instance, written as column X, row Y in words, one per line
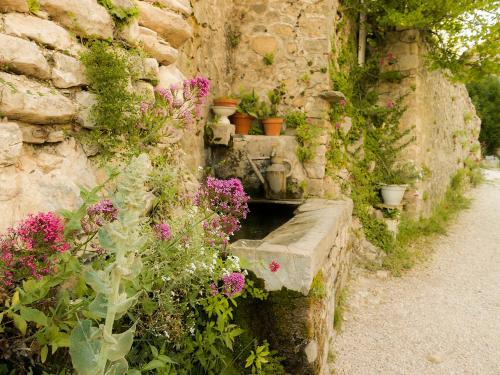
column 85, row 17
column 41, row 31
column 30, row 101
column 169, row 25
column 22, row 56
column 11, row 143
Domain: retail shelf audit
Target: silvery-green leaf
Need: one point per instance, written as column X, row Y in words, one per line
column 83, row 349
column 124, row 304
column 97, row 281
column 123, row 344
column 99, row 306
column 119, row 367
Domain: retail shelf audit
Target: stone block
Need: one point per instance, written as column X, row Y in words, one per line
column 150, row 69
column 284, row 30
column 264, row 44
column 181, row 6
column 158, row 48
column 130, row 32
column 67, row 71
column 11, row 143
column 315, row 187
column 37, row 134
column 22, row 56
column 29, row 101
column 313, row 26
column 14, row 6
column 85, row 17
column 171, row 26
column 85, row 100
column 41, row 31
column 315, row 168
column 301, row 245
column 170, row 75
column 145, row 90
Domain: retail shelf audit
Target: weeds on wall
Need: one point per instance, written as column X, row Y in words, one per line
column 121, row 15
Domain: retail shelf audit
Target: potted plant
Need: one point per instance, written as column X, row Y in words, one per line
column 271, row 121
column 243, row 117
column 396, row 182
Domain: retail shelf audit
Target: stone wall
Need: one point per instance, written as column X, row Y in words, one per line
column 442, row 117
column 44, row 94
column 314, row 250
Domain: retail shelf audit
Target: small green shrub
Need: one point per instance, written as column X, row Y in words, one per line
column 121, row 15
column 268, row 59
column 34, row 6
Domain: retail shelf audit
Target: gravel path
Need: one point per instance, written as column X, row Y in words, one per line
column 443, row 317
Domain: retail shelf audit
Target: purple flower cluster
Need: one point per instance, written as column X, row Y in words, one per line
column 162, row 231
column 32, row 249
column 228, row 200
column 225, row 197
column 99, row 214
column 233, row 284
column 181, row 103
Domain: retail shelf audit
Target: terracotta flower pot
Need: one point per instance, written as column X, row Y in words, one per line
column 272, row 126
column 242, row 123
column 225, row 102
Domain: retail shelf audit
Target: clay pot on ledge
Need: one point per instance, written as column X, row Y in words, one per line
column 242, row 122
column 225, row 102
column 272, row 126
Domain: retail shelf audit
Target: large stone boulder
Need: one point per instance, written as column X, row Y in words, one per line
column 23, row 57
column 14, row 6
column 29, row 101
column 171, row 26
column 41, row 31
column 157, row 47
column 85, row 101
column 46, row 179
column 67, row 71
column 170, row 75
column 85, row 17
column 11, row 143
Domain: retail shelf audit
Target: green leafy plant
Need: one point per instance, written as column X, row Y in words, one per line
column 34, row 6
column 275, row 97
column 121, row 15
column 268, row 59
column 98, row 350
column 249, row 103
column 295, row 119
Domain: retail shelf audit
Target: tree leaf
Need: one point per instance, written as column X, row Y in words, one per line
column 19, row 322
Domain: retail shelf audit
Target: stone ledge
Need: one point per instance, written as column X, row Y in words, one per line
column 301, row 245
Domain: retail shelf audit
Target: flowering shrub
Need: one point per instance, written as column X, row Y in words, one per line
column 31, row 249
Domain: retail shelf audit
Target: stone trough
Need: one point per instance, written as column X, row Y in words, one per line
column 313, row 249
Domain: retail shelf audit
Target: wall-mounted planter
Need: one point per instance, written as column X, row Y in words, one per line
column 242, row 123
column 393, row 194
column 272, row 126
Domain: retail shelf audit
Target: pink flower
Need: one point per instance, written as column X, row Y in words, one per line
column 342, row 102
column 213, row 289
column 337, row 125
column 390, row 104
column 274, row 266
column 163, row 231
column 233, row 284
column 144, row 107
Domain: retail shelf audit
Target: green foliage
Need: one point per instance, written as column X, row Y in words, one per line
column 116, row 112
column 97, row 350
column 340, row 301
column 34, row 6
column 413, row 235
column 451, row 27
column 295, row 119
column 121, row 15
column 275, row 97
column 249, row 103
column 307, row 137
column 233, row 36
column 485, row 94
column 268, row 59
